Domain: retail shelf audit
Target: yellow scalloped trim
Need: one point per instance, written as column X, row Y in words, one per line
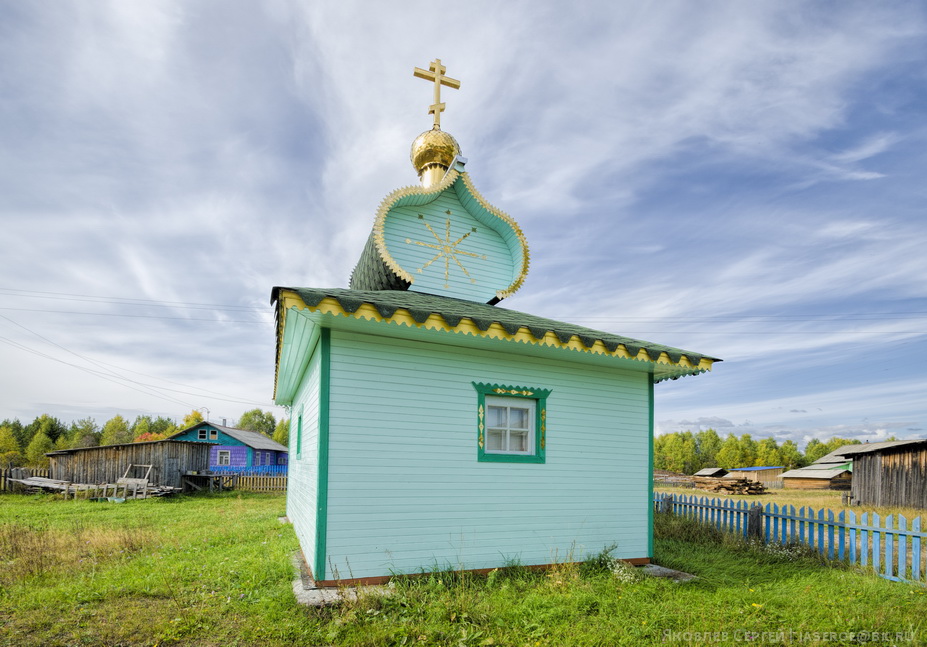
column 450, row 177
column 403, row 317
column 526, row 256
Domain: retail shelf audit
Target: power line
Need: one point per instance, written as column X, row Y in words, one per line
column 111, row 299
column 120, row 314
column 92, row 372
column 109, row 375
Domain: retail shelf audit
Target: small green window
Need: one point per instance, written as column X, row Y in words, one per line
column 511, row 423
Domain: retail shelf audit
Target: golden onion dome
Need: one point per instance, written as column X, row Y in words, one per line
column 433, row 147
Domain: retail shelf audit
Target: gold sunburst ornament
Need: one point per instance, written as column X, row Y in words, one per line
column 446, row 249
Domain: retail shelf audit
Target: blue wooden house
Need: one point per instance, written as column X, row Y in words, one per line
column 433, row 429
column 237, row 450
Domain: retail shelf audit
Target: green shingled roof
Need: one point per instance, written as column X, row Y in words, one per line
column 371, row 273
column 453, row 311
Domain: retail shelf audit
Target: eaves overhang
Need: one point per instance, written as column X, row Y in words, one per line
column 328, row 307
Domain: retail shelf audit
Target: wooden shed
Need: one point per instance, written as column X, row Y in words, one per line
column 818, row 477
column 769, row 475
column 890, row 474
column 169, row 460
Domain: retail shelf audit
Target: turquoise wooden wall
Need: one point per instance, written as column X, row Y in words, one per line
column 491, row 269
column 222, row 438
column 405, row 489
column 302, row 494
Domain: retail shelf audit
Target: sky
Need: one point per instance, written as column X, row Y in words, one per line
column 743, row 180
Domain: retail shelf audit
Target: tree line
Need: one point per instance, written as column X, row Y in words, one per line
column 688, row 452
column 26, row 444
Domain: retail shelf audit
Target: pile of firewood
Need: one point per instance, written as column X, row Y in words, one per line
column 728, row 485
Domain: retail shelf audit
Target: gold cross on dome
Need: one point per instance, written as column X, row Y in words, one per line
column 435, row 73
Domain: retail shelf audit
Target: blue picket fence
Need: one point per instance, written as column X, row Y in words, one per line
column 892, row 546
column 257, row 470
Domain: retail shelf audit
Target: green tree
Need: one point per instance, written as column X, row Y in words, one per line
column 116, row 431
column 192, row 418
column 142, row 425
column 814, row 450
column 282, row 432
column 791, row 456
column 748, row 449
column 84, row 433
column 257, row 420
column 707, row 446
column 730, row 455
column 163, row 426
column 19, row 431
column 45, row 424
column 38, row 447
column 768, row 453
column 10, row 452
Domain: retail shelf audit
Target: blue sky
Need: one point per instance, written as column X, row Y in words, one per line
column 745, row 180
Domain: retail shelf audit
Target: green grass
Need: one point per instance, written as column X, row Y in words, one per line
column 215, row 570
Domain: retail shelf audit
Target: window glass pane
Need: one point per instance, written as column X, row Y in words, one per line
column 496, row 417
column 518, row 441
column 518, row 418
column 495, row 440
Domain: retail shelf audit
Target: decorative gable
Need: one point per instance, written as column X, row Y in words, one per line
column 447, row 241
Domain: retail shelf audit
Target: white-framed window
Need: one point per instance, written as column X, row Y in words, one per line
column 201, row 434
column 510, row 425
column 224, row 457
column 213, row 434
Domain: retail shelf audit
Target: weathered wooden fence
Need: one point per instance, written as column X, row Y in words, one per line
column 893, row 546
column 262, row 483
column 18, row 473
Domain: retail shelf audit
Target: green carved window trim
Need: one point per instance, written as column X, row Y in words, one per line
column 539, row 396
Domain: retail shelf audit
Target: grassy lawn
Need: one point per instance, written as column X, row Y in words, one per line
column 215, row 570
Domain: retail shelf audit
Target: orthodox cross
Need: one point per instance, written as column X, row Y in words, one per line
column 435, row 73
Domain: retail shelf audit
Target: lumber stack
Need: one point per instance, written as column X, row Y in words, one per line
column 728, row 485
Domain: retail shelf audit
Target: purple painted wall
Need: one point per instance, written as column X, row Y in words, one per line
column 238, row 457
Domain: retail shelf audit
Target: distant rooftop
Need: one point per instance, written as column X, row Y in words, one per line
column 756, row 469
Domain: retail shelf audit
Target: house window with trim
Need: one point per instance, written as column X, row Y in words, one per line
column 224, row 457
column 201, row 434
column 511, row 423
column 213, row 434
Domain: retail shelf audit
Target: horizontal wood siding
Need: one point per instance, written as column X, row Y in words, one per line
column 836, row 483
column 489, row 274
column 301, row 478
column 98, row 465
column 406, row 491
column 238, row 455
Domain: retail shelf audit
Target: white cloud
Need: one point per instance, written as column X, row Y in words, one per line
column 667, row 161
